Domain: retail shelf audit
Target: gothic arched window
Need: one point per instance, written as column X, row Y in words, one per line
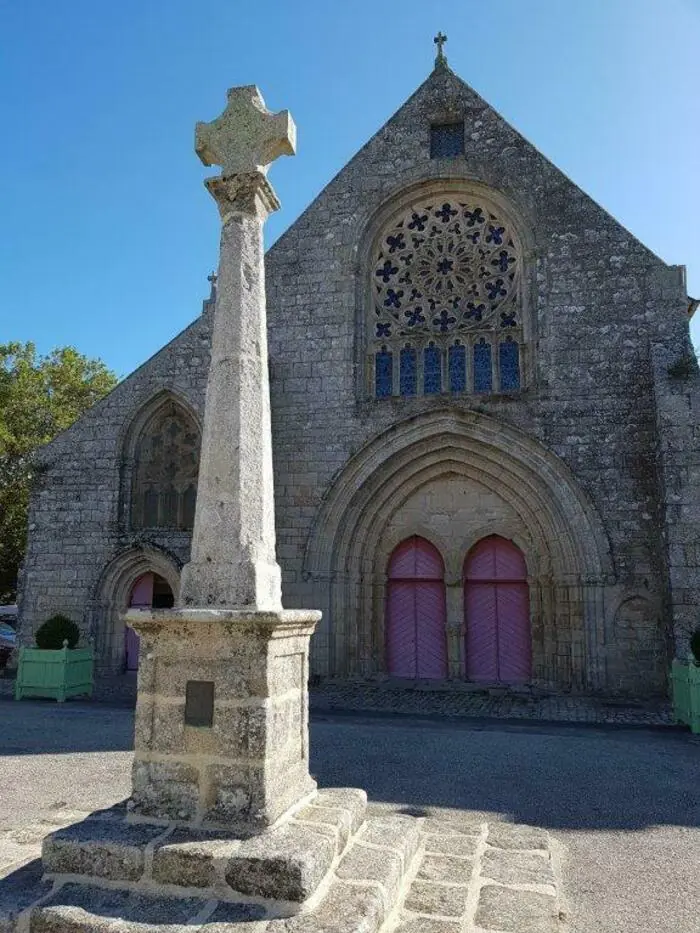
column 165, row 470
column 446, row 301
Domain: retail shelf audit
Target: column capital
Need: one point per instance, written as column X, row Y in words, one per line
column 244, row 193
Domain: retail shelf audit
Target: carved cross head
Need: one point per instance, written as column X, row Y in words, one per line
column 247, row 137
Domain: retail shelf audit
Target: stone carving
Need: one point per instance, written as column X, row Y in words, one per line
column 247, row 137
column 445, row 267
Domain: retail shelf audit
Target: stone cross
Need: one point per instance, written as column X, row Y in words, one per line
column 222, row 706
column 439, row 40
column 233, row 561
column 247, row 137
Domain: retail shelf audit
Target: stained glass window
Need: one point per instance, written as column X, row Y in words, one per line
column 458, row 367
column 166, row 466
column 432, row 370
column 445, row 276
column 189, row 501
column 444, row 266
column 150, row 508
column 446, row 140
column 483, row 379
column 407, row 371
column 384, row 373
column 509, row 360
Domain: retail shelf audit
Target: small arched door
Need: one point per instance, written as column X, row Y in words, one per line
column 497, row 613
column 416, row 640
column 150, row 591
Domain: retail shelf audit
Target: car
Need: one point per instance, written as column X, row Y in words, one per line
column 8, row 640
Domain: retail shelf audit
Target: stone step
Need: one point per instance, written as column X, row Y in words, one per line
column 369, row 882
column 284, row 864
column 84, row 908
column 22, row 886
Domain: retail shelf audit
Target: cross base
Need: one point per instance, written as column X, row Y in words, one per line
column 221, row 732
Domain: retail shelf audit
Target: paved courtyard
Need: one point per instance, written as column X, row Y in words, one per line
column 621, row 804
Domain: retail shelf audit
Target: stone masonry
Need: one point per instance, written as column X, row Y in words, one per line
column 464, row 876
column 590, row 467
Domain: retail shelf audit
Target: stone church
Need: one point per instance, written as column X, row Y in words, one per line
column 486, row 430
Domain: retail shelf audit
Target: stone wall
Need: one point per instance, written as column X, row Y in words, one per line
column 677, row 396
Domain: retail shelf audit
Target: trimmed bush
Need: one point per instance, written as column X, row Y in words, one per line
column 56, row 630
column 695, row 645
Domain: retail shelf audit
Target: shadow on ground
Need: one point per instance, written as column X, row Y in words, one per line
column 551, row 775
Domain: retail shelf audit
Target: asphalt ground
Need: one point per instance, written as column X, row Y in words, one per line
column 624, row 803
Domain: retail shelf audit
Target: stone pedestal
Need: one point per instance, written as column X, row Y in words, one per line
column 221, row 736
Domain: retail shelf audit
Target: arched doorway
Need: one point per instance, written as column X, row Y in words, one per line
column 150, row 591
column 497, row 613
column 416, row 644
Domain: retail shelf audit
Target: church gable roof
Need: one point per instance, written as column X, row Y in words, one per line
column 495, row 154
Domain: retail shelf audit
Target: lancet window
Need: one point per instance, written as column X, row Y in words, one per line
column 446, row 309
column 165, row 470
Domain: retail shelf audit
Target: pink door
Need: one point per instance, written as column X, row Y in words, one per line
column 141, row 598
column 497, row 613
column 416, row 641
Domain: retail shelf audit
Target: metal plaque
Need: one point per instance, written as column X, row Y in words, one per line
column 199, row 703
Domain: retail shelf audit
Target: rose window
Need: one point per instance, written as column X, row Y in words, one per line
column 445, row 282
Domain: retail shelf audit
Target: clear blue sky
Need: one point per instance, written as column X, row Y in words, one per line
column 107, row 234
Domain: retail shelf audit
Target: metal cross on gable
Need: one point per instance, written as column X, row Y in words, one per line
column 439, row 40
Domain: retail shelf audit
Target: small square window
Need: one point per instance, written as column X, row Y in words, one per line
column 446, row 140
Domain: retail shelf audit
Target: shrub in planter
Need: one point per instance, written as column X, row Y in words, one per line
column 55, row 668
column 695, row 645
column 51, row 635
column 685, row 683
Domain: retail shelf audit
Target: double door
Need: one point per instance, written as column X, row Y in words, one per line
column 497, row 641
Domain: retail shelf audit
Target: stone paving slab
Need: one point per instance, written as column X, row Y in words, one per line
column 462, row 701
column 506, row 881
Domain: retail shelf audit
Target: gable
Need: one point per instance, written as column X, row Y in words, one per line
column 579, row 249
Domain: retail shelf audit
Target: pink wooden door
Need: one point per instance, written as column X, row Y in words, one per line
column 416, row 642
column 497, row 613
column 141, row 598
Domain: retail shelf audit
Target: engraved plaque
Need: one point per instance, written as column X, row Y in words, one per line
column 199, row 703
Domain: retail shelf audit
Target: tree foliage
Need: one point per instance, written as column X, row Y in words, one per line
column 40, row 396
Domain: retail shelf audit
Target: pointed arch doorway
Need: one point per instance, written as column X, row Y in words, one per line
column 149, row 591
column 497, row 613
column 416, row 642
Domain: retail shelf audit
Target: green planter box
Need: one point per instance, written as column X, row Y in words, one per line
column 685, row 683
column 58, row 674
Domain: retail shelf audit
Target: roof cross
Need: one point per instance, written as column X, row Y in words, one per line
column 439, row 40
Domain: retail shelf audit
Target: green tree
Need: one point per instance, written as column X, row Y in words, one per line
column 40, row 396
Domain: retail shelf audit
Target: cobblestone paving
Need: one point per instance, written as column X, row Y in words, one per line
column 456, row 703
column 476, row 877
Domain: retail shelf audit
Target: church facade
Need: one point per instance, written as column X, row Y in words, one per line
column 486, row 431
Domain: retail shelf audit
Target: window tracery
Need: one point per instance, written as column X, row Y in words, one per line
column 446, row 310
column 166, row 466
